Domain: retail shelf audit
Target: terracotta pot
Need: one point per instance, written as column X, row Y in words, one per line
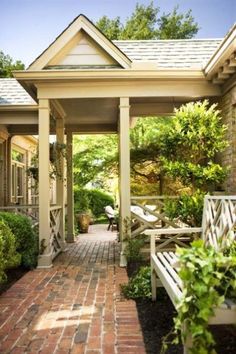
column 83, row 220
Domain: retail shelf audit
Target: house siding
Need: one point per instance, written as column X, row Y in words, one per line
column 228, row 158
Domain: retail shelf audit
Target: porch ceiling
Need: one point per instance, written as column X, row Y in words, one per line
column 88, row 115
column 92, row 115
column 101, row 114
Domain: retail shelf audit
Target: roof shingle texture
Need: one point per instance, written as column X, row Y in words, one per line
column 190, row 53
column 11, row 92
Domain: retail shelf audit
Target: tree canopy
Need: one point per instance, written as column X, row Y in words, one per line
column 144, row 23
column 168, row 154
column 7, row 65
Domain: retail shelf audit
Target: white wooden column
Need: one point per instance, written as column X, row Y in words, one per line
column 45, row 257
column 8, row 170
column 70, row 237
column 60, row 181
column 124, row 172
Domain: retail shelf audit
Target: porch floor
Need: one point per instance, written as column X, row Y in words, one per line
column 74, row 307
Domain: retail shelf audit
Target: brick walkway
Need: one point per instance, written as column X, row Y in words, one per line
column 75, row 307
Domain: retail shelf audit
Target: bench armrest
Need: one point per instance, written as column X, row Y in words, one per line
column 184, row 230
column 154, row 232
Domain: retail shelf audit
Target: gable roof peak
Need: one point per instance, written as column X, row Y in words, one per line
column 80, row 23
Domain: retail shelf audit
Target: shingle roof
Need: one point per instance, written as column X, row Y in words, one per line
column 190, row 53
column 11, row 93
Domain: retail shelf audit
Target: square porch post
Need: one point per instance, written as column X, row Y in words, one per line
column 124, row 174
column 45, row 257
column 60, row 181
column 70, row 237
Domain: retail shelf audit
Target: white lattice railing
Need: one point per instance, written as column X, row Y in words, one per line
column 55, row 236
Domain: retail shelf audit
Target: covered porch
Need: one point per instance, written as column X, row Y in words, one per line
column 85, row 84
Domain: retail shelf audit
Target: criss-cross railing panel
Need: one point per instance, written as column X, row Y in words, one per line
column 219, row 218
column 55, row 236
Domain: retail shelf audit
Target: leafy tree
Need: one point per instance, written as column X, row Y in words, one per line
column 141, row 24
column 111, row 28
column 177, row 26
column 7, row 65
column 190, row 146
column 144, row 24
column 95, row 159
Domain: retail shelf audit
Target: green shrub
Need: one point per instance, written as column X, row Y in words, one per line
column 9, row 258
column 94, row 200
column 81, row 200
column 139, row 286
column 98, row 200
column 26, row 239
column 133, row 249
column 188, row 208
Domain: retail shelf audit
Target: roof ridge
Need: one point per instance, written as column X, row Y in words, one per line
column 168, row 40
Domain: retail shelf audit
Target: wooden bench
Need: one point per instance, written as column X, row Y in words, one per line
column 219, row 217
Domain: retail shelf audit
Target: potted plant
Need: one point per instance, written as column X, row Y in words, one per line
column 83, row 214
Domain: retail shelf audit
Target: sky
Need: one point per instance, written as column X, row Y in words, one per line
column 27, row 27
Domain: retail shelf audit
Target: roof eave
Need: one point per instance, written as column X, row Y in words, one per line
column 93, row 74
column 18, row 107
column 223, row 52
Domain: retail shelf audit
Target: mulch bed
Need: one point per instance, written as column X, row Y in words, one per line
column 12, row 276
column 156, row 319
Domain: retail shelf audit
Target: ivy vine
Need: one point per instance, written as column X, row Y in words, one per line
column 209, row 276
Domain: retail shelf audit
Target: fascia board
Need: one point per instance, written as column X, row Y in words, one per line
column 226, row 48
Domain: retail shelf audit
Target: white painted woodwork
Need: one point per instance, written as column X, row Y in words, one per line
column 116, row 87
column 219, row 219
column 56, row 240
column 17, row 118
column 82, row 50
column 45, row 259
column 70, row 237
column 9, row 170
column 124, row 171
column 60, row 180
column 81, row 23
column 225, row 50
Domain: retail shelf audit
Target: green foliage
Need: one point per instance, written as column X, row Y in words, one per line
column 95, row 160
column 92, row 200
column 176, row 25
column 26, row 239
column 110, row 27
column 81, row 200
column 187, row 208
column 7, row 65
column 144, row 24
column 208, row 275
column 189, row 147
column 9, row 258
column 133, row 249
column 141, row 24
column 98, row 200
column 139, row 286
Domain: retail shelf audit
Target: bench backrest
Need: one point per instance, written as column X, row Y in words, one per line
column 219, row 218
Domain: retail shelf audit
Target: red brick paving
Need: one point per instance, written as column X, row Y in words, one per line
column 75, row 307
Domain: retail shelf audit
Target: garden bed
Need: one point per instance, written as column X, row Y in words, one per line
column 12, row 276
column 156, row 320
